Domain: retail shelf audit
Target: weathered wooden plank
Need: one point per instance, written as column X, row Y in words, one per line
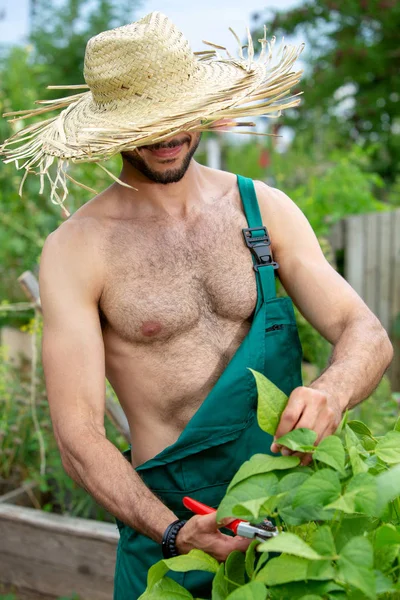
column 336, row 236
column 55, row 581
column 87, row 528
column 30, row 285
column 354, row 254
column 371, row 267
column 57, row 555
column 385, row 276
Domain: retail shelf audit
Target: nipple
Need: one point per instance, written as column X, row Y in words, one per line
column 150, row 328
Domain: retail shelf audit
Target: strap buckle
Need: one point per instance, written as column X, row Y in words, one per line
column 260, row 247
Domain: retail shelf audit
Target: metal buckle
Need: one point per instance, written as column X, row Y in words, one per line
column 259, row 247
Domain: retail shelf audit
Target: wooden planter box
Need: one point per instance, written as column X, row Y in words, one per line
column 53, row 555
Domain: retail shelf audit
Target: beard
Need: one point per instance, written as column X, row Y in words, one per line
column 164, row 177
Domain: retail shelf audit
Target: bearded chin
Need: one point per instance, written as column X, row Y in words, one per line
column 163, row 177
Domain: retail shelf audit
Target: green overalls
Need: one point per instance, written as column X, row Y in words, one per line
column 224, row 432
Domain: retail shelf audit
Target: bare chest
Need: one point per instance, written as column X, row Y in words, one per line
column 163, row 278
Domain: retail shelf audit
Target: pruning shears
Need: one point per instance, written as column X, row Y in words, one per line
column 260, row 531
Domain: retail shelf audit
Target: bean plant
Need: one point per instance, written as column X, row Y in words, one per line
column 338, row 519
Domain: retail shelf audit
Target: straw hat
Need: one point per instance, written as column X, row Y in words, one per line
column 145, row 84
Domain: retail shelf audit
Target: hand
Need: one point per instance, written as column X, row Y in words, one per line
column 201, row 532
column 311, row 408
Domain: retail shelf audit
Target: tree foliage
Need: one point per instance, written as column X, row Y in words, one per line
column 53, row 56
column 352, row 78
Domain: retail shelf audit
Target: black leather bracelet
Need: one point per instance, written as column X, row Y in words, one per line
column 169, row 538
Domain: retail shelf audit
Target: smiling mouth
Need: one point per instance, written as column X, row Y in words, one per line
column 166, row 152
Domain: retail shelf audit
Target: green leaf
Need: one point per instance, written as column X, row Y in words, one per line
column 355, row 566
column 219, row 585
column 290, row 544
column 322, row 541
column 350, row 527
column 251, row 591
column 196, row 560
column 386, row 535
column 263, row 463
column 343, row 503
column 352, row 441
column 250, row 558
column 320, row 489
column 385, row 557
column 295, row 591
column 254, row 510
column 271, row 403
column 290, row 482
column 299, row 440
column 288, row 487
column 331, row 452
column 283, row 569
column 357, row 464
column 388, row 484
column 388, row 447
column 167, row 589
column 384, row 585
column 360, row 428
column 245, row 491
column 311, row 597
column 364, row 489
column 361, row 496
column 320, row 570
column 234, row 569
column 263, row 558
column 155, row 573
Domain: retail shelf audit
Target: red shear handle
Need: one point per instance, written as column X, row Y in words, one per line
column 202, row 509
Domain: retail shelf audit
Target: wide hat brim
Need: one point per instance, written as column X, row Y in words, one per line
column 221, row 88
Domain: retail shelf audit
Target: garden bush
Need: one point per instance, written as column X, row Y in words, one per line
column 20, row 457
column 339, row 518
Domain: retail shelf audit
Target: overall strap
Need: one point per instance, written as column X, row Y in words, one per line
column 257, row 240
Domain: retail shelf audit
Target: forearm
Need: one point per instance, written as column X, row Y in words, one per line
column 360, row 357
column 100, row 468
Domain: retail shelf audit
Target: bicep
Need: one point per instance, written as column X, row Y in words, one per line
column 321, row 294
column 72, row 346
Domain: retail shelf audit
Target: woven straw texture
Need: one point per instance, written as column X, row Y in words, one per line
column 145, row 85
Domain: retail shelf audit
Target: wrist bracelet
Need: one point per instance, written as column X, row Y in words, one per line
column 169, row 538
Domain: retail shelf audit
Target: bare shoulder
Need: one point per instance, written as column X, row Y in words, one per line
column 73, row 253
column 272, row 201
column 286, row 223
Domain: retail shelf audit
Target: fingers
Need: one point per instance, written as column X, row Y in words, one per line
column 290, row 416
column 312, row 409
column 221, row 548
column 202, row 532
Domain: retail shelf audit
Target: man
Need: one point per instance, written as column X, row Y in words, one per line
column 152, row 285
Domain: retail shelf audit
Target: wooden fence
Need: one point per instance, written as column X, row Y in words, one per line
column 371, row 245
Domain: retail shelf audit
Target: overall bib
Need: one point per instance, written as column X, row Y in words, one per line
column 224, row 432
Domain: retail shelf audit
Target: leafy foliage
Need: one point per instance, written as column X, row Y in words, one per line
column 55, row 491
column 339, row 522
column 351, row 81
column 54, row 56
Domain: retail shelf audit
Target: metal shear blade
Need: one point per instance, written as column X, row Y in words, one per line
column 263, row 531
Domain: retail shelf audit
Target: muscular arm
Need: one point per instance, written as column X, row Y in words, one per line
column 73, row 359
column 74, row 364
column 362, row 350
